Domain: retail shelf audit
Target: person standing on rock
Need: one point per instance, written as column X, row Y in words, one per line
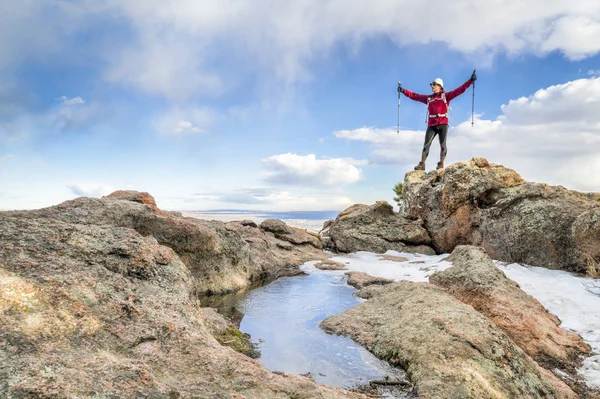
column 438, row 104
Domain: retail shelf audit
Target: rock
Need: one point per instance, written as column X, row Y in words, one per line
column 376, row 228
column 483, row 204
column 448, row 349
column 475, row 280
column 269, row 253
column 586, row 236
column 291, row 234
column 134, row 196
column 330, row 265
column 90, row 310
column 228, row 334
column 249, row 223
column 359, row 280
column 222, row 257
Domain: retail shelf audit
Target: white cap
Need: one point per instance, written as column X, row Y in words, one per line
column 438, row 81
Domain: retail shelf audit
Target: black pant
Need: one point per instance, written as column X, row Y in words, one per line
column 441, row 131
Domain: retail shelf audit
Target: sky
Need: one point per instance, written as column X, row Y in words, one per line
column 287, row 105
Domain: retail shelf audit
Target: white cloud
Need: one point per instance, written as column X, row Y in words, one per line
column 185, row 127
column 176, row 47
column 71, row 101
column 186, row 121
column 308, row 170
column 90, row 189
column 72, row 114
column 575, row 35
column 551, row 136
column 269, row 198
column 594, row 72
column 165, row 66
column 390, row 146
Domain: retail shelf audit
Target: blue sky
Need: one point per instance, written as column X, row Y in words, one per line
column 286, row 105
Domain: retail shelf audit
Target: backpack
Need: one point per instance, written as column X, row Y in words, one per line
column 448, row 108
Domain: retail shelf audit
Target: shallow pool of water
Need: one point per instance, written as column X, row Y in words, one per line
column 283, row 318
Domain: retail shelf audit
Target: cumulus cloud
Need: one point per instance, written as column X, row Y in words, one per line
column 552, row 136
column 308, row 170
column 175, row 47
column 90, row 189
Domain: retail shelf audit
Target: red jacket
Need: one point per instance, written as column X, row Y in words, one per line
column 435, row 103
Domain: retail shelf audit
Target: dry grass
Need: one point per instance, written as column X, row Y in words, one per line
column 593, row 268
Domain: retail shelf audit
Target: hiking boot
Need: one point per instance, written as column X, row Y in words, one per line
column 440, row 165
column 420, row 166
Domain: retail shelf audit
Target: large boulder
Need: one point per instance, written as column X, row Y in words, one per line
column 475, row 280
column 291, row 234
column 90, row 311
column 375, row 228
column 448, row 349
column 488, row 205
column 222, row 257
column 586, row 237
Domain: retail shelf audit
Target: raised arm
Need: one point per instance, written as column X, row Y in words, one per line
column 414, row 96
column 460, row 90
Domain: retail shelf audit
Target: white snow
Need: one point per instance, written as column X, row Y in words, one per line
column 561, row 293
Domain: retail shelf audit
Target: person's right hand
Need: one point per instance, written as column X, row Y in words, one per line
column 400, row 88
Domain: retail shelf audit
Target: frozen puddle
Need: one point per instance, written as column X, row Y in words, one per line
column 283, row 318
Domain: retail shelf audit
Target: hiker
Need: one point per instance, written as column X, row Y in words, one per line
column 437, row 115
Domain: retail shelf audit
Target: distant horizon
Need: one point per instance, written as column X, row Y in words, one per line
column 311, row 215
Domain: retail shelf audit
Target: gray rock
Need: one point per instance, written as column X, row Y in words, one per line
column 291, row 234
column 448, row 349
column 475, row 280
column 360, row 280
column 375, row 228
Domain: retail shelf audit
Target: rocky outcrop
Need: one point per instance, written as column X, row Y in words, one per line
column 488, row 205
column 94, row 310
column 475, row 280
column 448, row 349
column 222, row 257
column 291, row 234
column 375, row 228
column 483, row 204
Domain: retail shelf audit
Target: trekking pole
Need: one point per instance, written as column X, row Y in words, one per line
column 398, row 128
column 473, row 104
